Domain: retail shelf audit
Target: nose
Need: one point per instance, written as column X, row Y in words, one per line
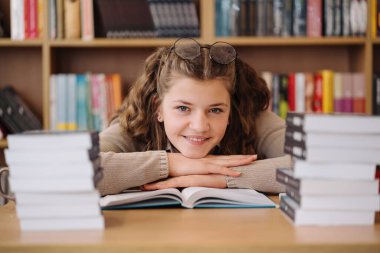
column 199, row 122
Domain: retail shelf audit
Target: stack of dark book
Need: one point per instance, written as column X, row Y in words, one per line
column 335, row 174
column 53, row 176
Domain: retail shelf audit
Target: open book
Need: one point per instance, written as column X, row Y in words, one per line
column 189, row 197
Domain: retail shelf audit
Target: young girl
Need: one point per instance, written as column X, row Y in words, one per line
column 196, row 117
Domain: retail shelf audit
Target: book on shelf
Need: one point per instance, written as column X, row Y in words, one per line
column 347, row 171
column 62, row 224
column 320, row 186
column 71, row 19
column 300, row 216
column 334, row 123
column 376, row 95
column 191, row 197
column 354, row 202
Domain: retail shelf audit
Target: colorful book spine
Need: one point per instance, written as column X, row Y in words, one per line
column 327, row 91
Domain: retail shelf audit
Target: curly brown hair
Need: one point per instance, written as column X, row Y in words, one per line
column 249, row 96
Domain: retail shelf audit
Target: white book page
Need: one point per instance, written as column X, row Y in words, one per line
column 136, row 196
column 194, row 195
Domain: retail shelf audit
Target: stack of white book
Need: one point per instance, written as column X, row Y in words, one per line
column 53, row 176
column 335, row 174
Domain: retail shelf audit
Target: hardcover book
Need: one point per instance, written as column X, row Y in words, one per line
column 334, row 123
column 191, row 197
column 327, row 186
column 301, row 216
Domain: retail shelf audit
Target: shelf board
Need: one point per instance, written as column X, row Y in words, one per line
column 20, row 43
column 145, row 42
column 237, row 41
column 3, row 144
column 292, row 41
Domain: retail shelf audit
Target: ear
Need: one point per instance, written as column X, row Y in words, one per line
column 160, row 118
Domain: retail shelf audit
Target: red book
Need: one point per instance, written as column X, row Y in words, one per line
column 292, row 92
column 317, row 96
column 33, row 19
column 27, row 19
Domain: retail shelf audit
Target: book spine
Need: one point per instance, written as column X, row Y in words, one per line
column 300, row 83
column 317, row 97
column 376, row 95
column 314, row 18
column 309, row 91
column 347, row 92
column 286, row 179
column 296, row 150
column 71, row 19
column 338, row 93
column 358, row 93
column 287, row 209
column 291, row 92
column 327, row 91
column 87, row 19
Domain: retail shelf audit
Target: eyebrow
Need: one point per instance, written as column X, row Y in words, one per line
column 188, row 103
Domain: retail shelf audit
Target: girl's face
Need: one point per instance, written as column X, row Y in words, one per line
column 195, row 115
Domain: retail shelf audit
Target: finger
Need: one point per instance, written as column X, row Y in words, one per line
column 232, row 162
column 222, row 170
column 228, row 157
column 215, row 181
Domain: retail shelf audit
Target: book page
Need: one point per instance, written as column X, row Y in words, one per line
column 138, row 196
column 234, row 197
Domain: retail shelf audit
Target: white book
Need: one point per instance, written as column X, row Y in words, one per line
column 58, row 140
column 339, row 140
column 43, row 224
column 85, row 169
column 17, row 20
column 334, row 123
column 333, row 154
column 301, row 216
column 57, row 210
column 42, row 156
column 306, row 186
column 51, row 185
column 189, row 197
column 350, row 171
column 300, row 83
column 335, row 202
column 57, row 198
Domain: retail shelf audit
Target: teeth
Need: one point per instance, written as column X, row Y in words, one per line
column 196, row 139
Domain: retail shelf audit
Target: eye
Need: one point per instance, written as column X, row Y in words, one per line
column 216, row 110
column 182, row 108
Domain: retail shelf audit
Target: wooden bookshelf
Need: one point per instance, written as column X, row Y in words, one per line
column 27, row 65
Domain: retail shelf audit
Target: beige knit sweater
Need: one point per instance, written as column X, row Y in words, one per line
column 125, row 166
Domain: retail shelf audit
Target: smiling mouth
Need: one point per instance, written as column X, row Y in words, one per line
column 196, row 140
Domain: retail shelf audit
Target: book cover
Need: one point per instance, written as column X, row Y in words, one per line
column 346, row 171
column 314, row 186
column 62, row 224
column 333, row 154
column 303, row 217
column 327, row 91
column 48, row 139
column 322, row 139
column 87, row 19
column 334, row 122
column 335, row 202
column 314, row 18
column 191, row 197
column 71, row 19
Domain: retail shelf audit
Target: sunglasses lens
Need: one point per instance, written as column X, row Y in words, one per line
column 222, row 53
column 187, row 48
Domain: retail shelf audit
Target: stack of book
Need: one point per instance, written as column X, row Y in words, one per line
column 53, row 176
column 335, row 174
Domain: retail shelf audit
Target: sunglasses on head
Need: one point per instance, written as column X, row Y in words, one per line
column 189, row 49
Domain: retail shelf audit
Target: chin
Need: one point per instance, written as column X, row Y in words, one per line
column 194, row 154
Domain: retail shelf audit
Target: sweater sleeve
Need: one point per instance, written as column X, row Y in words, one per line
column 269, row 145
column 124, row 166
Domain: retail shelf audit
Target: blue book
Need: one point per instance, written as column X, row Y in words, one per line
column 191, row 197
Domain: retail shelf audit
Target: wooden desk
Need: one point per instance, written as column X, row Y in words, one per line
column 191, row 230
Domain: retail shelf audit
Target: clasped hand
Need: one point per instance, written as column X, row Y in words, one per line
column 210, row 171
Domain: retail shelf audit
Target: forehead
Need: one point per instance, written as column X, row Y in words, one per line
column 185, row 87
